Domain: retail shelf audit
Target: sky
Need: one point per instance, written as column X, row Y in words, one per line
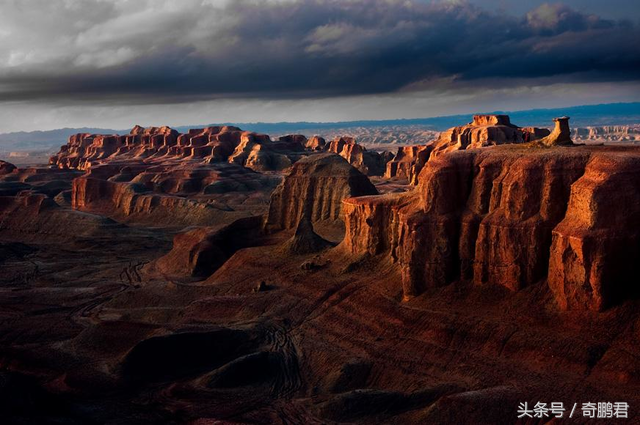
column 116, row 63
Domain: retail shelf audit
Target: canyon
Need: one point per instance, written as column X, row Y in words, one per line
column 225, row 276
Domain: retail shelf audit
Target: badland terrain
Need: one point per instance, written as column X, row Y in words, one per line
column 224, row 276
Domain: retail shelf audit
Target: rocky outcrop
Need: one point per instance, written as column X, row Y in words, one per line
column 484, row 130
column 176, row 194
column 208, row 145
column 6, row 168
column 595, row 248
column 316, row 143
column 216, row 144
column 84, row 148
column 530, row 134
column 513, row 217
column 408, row 162
column 560, row 136
column 158, row 175
column 305, row 240
column 259, row 153
column 316, row 185
column 368, row 162
column 200, row 252
column 293, row 141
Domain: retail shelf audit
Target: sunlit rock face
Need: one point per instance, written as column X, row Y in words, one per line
column 561, row 134
column 209, row 145
column 512, row 216
column 484, row 130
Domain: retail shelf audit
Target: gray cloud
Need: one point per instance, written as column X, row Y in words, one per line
column 165, row 51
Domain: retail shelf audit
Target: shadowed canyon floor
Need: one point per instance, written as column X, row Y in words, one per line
column 485, row 285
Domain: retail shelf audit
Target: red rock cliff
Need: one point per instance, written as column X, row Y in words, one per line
column 512, row 216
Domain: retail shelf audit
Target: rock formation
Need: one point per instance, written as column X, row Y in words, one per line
column 6, row 168
column 200, row 252
column 305, row 240
column 316, row 143
column 259, row 153
column 595, row 250
column 530, row 134
column 484, row 130
column 317, row 185
column 217, row 144
column 560, row 136
column 182, row 193
column 368, row 162
column 211, row 144
column 408, row 162
column 511, row 217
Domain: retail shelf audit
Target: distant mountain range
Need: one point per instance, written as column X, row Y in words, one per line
column 581, row 116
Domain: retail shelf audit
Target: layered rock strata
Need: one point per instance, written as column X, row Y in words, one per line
column 209, row 145
column 485, row 130
column 408, row 162
column 513, row 217
column 180, row 193
column 316, row 186
column 217, row 144
column 368, row 162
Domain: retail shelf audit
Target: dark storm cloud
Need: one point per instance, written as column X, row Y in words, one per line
column 170, row 52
